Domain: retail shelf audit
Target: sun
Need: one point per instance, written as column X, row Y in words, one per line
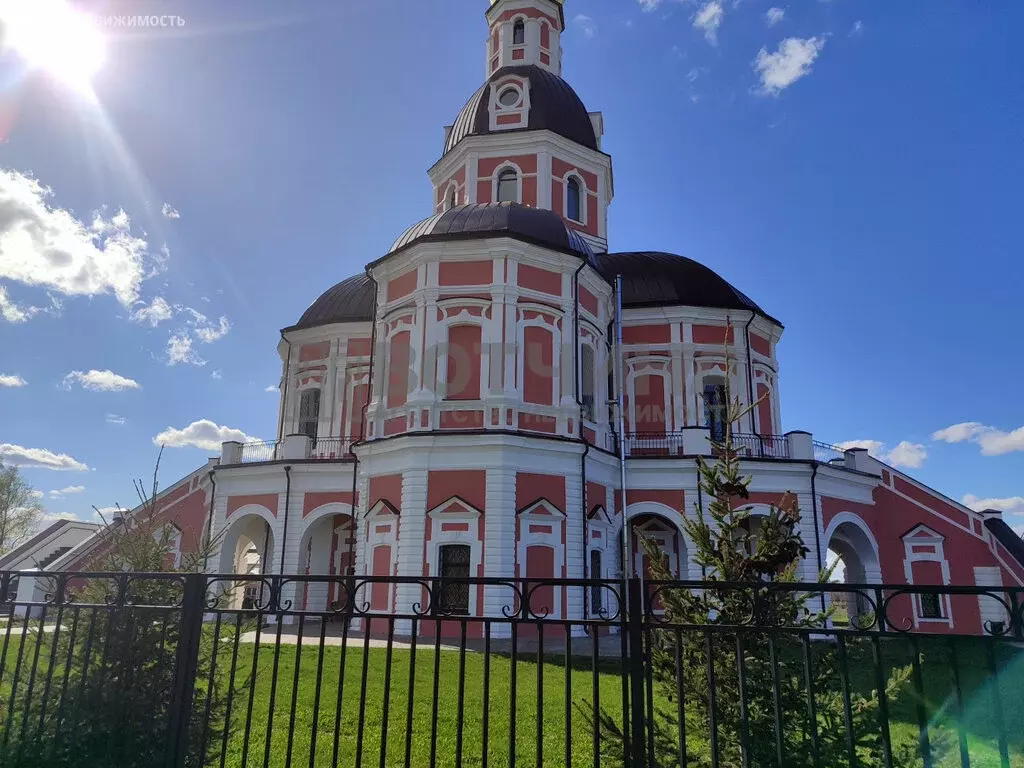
column 53, row 36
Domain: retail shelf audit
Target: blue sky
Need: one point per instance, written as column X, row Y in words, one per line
column 852, row 165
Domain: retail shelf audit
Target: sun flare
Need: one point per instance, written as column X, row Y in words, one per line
column 53, row 36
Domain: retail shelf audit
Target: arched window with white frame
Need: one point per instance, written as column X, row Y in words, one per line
column 309, row 412
column 574, row 200
column 508, row 186
column 588, row 382
column 519, row 32
column 716, row 406
column 452, row 198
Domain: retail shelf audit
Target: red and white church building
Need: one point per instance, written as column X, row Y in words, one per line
column 449, row 411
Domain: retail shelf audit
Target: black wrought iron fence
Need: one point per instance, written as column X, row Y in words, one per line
column 170, row 669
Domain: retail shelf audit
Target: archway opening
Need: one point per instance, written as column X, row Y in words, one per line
column 325, row 549
column 853, row 558
column 247, row 549
column 664, row 533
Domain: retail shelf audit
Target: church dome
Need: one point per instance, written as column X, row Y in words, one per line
column 554, row 106
column 350, row 301
column 468, row 222
column 657, row 279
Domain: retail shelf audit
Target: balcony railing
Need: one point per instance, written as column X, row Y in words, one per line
column 302, row 449
column 659, row 444
column 255, row 453
column 826, row 453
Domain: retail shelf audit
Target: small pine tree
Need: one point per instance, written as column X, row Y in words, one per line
column 777, row 650
column 110, row 698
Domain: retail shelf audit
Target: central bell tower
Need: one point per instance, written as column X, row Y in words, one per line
column 525, row 136
column 525, row 32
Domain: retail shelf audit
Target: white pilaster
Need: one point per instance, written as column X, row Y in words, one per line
column 411, row 531
column 499, row 543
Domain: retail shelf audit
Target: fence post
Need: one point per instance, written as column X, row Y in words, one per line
column 183, row 686
column 637, row 677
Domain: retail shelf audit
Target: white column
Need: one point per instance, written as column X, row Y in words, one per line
column 410, row 542
column 574, row 545
column 678, row 404
column 499, row 543
column 337, row 428
column 532, row 41
column 505, row 43
column 692, row 416
column 544, row 181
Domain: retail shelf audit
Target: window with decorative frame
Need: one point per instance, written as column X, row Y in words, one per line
column 309, row 412
column 453, row 590
column 588, row 381
column 508, row 186
column 574, row 200
column 519, row 33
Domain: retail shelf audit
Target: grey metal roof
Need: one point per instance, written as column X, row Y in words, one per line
column 554, row 106
column 535, row 225
column 350, row 301
column 655, row 279
column 1006, row 536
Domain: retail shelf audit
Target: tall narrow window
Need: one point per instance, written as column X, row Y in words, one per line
column 518, row 33
column 715, row 408
column 454, row 597
column 508, row 187
column 309, row 412
column 596, row 598
column 587, row 381
column 931, row 606
column 451, row 201
column 572, row 200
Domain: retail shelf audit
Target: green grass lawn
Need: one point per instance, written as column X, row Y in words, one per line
column 380, row 703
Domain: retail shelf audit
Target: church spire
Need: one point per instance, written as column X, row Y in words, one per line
column 525, row 32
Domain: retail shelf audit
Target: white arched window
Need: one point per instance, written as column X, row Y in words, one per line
column 716, row 407
column 451, row 200
column 587, row 382
column 508, row 186
column 519, row 33
column 309, row 412
column 573, row 201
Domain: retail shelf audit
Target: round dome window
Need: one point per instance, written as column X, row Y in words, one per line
column 509, row 97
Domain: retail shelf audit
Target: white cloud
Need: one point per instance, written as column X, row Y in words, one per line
column 10, row 380
column 788, row 64
column 1013, row 505
column 211, row 333
column 157, row 312
column 39, row 458
column 217, row 375
column 113, row 418
column 696, row 72
column 709, row 19
column 273, row 388
column 170, row 212
column 100, row 381
column 649, row 5
column 13, row 312
column 992, row 440
column 587, row 25
column 773, row 16
column 857, row 28
column 905, row 454
column 200, row 434
column 179, row 350
column 66, row 491
column 46, row 246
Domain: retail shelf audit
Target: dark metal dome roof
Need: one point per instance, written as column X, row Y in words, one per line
column 554, row 106
column 535, row 225
column 350, row 301
column 655, row 279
